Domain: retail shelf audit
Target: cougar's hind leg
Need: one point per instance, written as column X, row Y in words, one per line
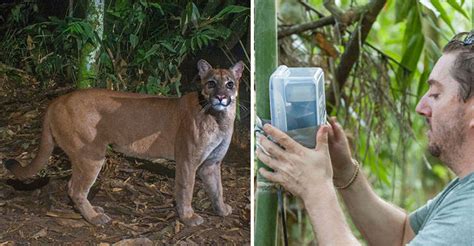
column 210, row 174
column 84, row 174
column 185, row 178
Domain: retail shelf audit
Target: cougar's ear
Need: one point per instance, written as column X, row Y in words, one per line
column 237, row 70
column 204, row 67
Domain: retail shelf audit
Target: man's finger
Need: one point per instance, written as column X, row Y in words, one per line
column 281, row 137
column 331, row 134
column 271, row 148
column 336, row 127
column 269, row 161
column 271, row 176
column 322, row 137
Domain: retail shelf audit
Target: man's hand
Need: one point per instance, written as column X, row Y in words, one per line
column 341, row 157
column 298, row 169
column 307, row 173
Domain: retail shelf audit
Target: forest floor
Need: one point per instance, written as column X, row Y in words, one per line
column 136, row 194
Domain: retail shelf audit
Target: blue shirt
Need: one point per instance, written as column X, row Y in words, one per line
column 447, row 219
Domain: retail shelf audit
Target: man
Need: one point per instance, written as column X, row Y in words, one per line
column 447, row 219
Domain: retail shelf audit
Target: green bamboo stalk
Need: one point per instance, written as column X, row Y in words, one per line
column 265, row 63
column 90, row 50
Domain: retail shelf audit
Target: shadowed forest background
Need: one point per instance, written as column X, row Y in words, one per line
column 376, row 56
column 142, row 46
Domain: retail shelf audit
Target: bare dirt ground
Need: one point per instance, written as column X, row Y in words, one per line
column 136, row 194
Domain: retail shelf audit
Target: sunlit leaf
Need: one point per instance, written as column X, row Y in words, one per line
column 443, row 14
column 458, row 7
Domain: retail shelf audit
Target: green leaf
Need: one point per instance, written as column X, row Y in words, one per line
column 158, row 7
column 231, row 10
column 458, row 8
column 402, row 8
column 443, row 14
column 151, row 51
column 422, row 85
column 195, row 15
column 432, row 49
column 133, row 40
column 413, row 40
column 168, row 46
column 413, row 43
column 440, row 171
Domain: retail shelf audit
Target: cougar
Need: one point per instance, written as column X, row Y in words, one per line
column 195, row 130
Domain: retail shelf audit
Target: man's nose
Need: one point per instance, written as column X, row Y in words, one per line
column 423, row 107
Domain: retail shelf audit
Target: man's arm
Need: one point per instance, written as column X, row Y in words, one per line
column 326, row 216
column 380, row 222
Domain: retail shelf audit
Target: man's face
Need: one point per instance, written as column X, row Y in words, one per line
column 444, row 111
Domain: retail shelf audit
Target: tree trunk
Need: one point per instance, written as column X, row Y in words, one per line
column 90, row 50
column 265, row 64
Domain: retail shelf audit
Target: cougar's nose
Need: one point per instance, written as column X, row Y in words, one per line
column 220, row 97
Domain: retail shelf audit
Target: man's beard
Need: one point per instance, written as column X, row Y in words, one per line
column 447, row 139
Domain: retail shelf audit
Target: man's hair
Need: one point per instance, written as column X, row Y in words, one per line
column 463, row 68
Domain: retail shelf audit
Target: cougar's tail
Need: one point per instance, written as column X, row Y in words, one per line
column 41, row 159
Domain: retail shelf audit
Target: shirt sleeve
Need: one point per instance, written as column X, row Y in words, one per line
column 452, row 225
column 418, row 216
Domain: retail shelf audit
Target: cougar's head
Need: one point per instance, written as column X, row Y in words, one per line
column 220, row 86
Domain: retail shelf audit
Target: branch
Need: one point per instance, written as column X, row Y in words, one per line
column 329, row 20
column 347, row 18
column 309, row 7
column 352, row 49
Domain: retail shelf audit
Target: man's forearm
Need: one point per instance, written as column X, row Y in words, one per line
column 380, row 222
column 326, row 216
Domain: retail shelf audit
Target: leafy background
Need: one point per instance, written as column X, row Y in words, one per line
column 377, row 104
column 144, row 46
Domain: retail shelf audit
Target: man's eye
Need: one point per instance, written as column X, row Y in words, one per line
column 434, row 96
column 211, row 84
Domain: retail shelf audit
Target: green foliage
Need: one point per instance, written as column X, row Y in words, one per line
column 143, row 46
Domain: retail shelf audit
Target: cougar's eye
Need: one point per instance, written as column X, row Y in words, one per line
column 230, row 85
column 211, row 84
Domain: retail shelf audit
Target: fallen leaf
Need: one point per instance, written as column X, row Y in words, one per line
column 7, row 243
column 177, row 227
column 31, row 114
column 42, row 233
column 134, row 242
column 71, row 223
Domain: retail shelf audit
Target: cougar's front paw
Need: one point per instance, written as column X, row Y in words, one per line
column 193, row 220
column 100, row 219
column 224, row 210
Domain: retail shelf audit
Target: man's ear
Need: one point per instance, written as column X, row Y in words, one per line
column 237, row 70
column 204, row 67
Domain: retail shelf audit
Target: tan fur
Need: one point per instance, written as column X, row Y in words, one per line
column 83, row 123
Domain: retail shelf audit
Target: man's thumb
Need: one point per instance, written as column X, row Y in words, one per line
column 322, row 137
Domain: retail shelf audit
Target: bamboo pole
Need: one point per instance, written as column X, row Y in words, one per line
column 90, row 50
column 265, row 63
